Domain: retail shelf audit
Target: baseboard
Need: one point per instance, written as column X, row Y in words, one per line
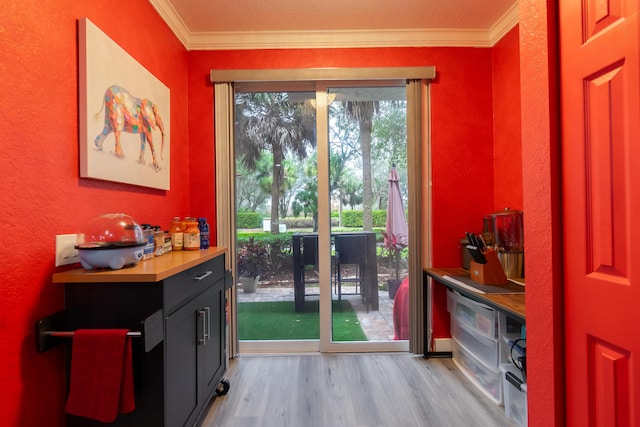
column 278, row 347
column 442, row 348
column 444, row 345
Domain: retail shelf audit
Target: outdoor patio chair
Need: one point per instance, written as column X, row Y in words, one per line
column 350, row 259
column 305, row 254
column 309, row 250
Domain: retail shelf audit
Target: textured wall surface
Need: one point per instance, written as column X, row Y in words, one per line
column 542, row 206
column 461, row 133
column 41, row 192
column 507, row 135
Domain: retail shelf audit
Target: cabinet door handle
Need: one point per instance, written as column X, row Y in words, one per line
column 205, row 274
column 207, row 331
column 202, row 315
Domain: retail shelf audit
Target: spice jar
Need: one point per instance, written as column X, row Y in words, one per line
column 177, row 234
column 158, row 240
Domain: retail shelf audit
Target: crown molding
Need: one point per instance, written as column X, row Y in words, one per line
column 503, row 25
column 244, row 40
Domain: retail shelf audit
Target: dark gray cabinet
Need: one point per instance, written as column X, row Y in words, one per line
column 195, row 358
column 176, row 380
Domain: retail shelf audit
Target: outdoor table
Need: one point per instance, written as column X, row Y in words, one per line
column 357, row 248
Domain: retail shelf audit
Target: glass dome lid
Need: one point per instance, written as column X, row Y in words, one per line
column 107, row 231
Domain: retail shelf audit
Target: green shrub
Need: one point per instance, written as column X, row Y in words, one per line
column 278, row 247
column 352, row 219
column 379, row 218
column 249, row 220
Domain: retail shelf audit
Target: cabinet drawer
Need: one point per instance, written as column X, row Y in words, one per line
column 181, row 287
column 510, row 332
column 515, row 400
column 487, row 380
column 483, row 348
column 482, row 318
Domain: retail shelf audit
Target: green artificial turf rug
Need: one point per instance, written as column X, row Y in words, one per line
column 277, row 320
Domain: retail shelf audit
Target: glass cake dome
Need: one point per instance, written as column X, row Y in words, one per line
column 110, row 240
column 111, row 231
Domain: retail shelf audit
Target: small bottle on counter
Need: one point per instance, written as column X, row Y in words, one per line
column 158, row 240
column 177, row 234
column 149, row 241
column 191, row 236
column 168, row 246
column 204, row 233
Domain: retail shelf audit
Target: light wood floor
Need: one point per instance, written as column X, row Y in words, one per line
column 350, row 390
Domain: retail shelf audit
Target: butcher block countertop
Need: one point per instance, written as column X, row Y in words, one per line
column 512, row 303
column 152, row 270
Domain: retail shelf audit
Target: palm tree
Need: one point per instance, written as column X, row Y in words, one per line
column 268, row 121
column 363, row 112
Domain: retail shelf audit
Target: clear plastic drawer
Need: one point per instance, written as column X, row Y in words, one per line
column 482, row 318
column 487, row 380
column 485, row 349
column 515, row 399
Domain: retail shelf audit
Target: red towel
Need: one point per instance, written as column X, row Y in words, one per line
column 401, row 312
column 101, row 374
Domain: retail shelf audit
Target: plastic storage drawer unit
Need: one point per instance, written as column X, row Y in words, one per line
column 510, row 333
column 485, row 349
column 488, row 380
column 482, row 318
column 515, row 399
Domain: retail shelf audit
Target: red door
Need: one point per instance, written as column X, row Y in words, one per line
column 601, row 200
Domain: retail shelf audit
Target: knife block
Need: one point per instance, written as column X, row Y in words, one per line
column 490, row 273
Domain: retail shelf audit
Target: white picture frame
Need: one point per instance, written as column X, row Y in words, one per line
column 119, row 96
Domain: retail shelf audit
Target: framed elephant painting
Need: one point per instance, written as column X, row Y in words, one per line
column 124, row 115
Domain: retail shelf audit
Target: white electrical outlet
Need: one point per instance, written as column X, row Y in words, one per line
column 66, row 253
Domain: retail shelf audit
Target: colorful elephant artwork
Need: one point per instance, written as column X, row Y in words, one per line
column 126, row 113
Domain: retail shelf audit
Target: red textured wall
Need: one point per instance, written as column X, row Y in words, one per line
column 41, row 192
column 542, row 207
column 507, row 136
column 461, row 100
column 461, row 133
column 43, row 196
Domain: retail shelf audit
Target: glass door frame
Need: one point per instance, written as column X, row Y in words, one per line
column 417, row 117
column 327, row 345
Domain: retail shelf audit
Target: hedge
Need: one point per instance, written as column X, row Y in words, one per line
column 354, row 218
column 249, row 220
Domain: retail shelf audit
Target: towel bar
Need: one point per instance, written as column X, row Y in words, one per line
column 51, row 330
column 67, row 334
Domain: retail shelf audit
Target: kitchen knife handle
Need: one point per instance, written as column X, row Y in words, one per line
column 483, row 245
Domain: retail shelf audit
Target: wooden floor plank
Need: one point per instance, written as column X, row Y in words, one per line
column 350, row 390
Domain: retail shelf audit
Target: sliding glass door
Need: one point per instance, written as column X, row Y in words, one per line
column 366, row 139
column 318, row 267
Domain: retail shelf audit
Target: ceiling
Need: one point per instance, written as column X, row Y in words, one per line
column 269, row 24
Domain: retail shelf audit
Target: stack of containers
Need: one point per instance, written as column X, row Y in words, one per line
column 515, row 394
column 514, row 386
column 476, row 344
column 479, row 343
